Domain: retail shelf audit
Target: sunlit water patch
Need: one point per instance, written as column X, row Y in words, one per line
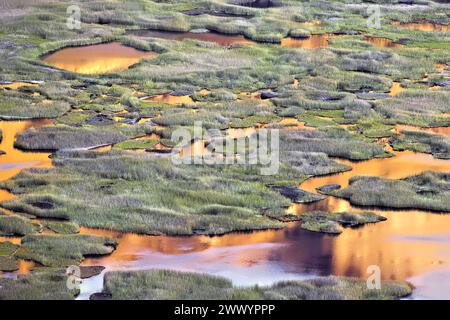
column 98, row 58
column 423, row 26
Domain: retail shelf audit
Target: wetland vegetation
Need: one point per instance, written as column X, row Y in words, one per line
column 90, row 112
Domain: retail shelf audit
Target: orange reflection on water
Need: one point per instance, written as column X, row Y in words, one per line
column 313, row 42
column 381, row 42
column 195, row 149
column 25, row 266
column 99, row 58
column 396, row 88
column 441, row 67
column 15, row 160
column 15, row 240
column 17, row 85
column 438, row 130
column 167, row 98
column 423, row 26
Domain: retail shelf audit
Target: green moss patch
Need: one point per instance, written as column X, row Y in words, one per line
column 7, row 248
column 137, row 144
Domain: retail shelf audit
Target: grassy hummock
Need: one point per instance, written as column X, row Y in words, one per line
column 427, row 191
column 324, row 222
column 64, row 137
column 8, row 264
column 16, row 226
column 7, row 248
column 40, row 285
column 435, row 144
column 63, row 250
column 172, row 285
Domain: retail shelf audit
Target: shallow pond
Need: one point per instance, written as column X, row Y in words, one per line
column 98, row 58
column 381, row 42
column 170, row 99
column 14, row 160
column 314, row 42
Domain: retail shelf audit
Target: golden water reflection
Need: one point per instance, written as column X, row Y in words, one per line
column 99, row 58
column 423, row 26
column 168, row 98
column 314, row 42
column 396, row 88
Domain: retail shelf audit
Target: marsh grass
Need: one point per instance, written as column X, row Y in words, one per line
column 173, row 285
column 408, row 108
column 65, row 137
column 435, row 144
column 43, row 285
column 427, row 191
column 63, row 250
column 62, row 227
column 325, row 222
column 16, row 226
column 16, row 108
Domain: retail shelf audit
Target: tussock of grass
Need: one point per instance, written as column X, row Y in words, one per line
column 64, row 137
column 7, row 248
column 333, row 142
column 63, row 250
column 8, row 264
column 421, row 108
column 427, row 191
column 146, row 194
column 172, row 285
column 16, row 226
column 137, row 144
column 62, row 227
